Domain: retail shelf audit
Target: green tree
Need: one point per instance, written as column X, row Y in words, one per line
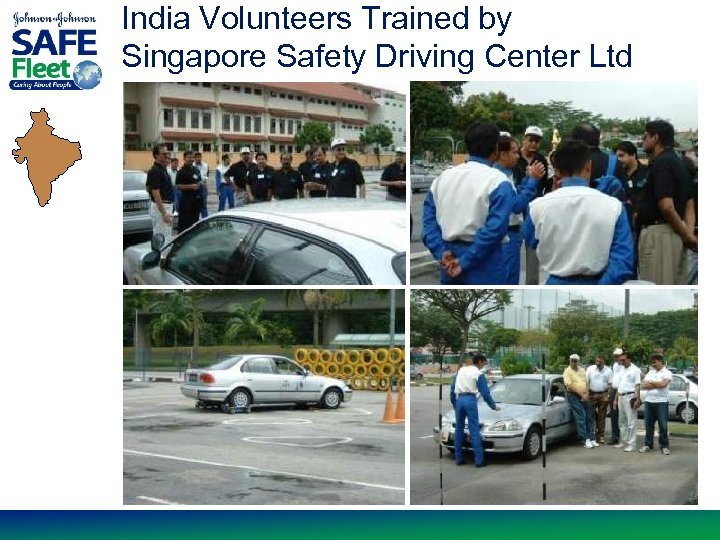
column 533, row 338
column 491, row 335
column 378, row 135
column 684, row 349
column 465, row 306
column 431, row 106
column 313, row 134
column 641, row 349
column 512, row 365
column 245, row 325
column 174, row 314
column 320, row 301
column 434, row 326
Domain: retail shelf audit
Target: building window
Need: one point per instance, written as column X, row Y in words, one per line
column 225, row 148
column 291, row 127
column 225, row 87
column 206, row 85
column 226, row 122
column 194, row 119
column 299, row 98
column 247, row 90
column 195, row 147
column 131, row 124
column 237, row 147
column 248, row 124
column 258, row 124
column 206, row 121
column 273, row 94
column 194, row 84
column 258, row 92
column 332, row 103
column 167, row 118
column 236, row 122
column 181, row 118
column 273, row 124
column 272, row 148
column 170, row 146
column 206, row 147
column 237, row 89
column 281, row 126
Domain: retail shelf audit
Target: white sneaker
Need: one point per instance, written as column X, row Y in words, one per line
column 594, row 443
column 588, row 443
column 645, row 449
column 619, row 445
column 629, row 448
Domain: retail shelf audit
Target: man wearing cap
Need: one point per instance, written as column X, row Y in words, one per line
column 581, row 236
column 617, row 367
column 599, row 378
column 466, row 214
column 529, row 155
column 468, row 382
column 576, row 392
column 238, row 173
column 628, row 394
column 657, row 383
column 346, row 178
column 394, row 177
column 661, row 210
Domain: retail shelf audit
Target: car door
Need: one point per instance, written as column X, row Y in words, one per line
column 262, row 379
column 283, row 257
column 676, row 394
column 293, row 383
column 559, row 416
column 211, row 253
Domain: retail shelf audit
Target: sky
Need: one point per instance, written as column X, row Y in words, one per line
column 670, row 100
column 609, row 300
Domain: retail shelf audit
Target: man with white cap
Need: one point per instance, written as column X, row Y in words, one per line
column 530, row 155
column 346, row 178
column 617, row 367
column 576, row 393
column 238, row 173
column 394, row 177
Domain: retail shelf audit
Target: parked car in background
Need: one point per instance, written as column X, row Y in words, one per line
column 415, row 373
column 682, row 399
column 240, row 381
column 292, row 242
column 137, row 225
column 517, row 427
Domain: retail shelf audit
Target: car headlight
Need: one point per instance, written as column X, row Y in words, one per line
column 505, row 425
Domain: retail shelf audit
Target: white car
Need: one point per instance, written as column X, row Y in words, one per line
column 137, row 225
column 292, row 242
column 243, row 380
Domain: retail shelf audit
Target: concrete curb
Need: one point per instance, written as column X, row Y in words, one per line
column 422, row 263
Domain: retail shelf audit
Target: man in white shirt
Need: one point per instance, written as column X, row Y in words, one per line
column 628, row 388
column 617, row 367
column 599, row 379
column 657, row 383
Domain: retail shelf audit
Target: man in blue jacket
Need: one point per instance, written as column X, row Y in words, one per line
column 466, row 385
column 466, row 214
column 582, row 236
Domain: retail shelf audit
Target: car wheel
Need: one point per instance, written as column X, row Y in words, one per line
column 419, row 377
column 331, row 399
column 533, row 443
column 240, row 398
column 689, row 415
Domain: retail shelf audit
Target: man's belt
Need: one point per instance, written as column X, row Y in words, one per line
column 514, row 228
column 598, row 392
column 579, row 277
column 466, row 394
column 654, row 222
column 627, row 393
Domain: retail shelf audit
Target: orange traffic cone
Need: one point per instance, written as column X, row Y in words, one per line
column 389, row 416
column 400, row 408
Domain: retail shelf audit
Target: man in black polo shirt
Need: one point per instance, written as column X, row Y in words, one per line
column 287, row 182
column 305, row 168
column 189, row 182
column 394, row 177
column 260, row 179
column 661, row 210
column 316, row 180
column 635, row 175
column 346, row 178
column 529, row 154
column 238, row 173
column 160, row 188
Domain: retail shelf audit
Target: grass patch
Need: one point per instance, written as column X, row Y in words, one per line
column 681, row 428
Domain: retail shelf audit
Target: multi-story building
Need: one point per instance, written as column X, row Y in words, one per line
column 390, row 110
column 224, row 117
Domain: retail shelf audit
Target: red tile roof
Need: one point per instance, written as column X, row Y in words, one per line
column 329, row 90
column 188, row 102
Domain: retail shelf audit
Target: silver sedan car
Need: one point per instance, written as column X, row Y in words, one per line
column 251, row 379
column 294, row 242
column 517, row 427
column 136, row 207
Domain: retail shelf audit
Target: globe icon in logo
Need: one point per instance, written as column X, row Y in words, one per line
column 87, row 75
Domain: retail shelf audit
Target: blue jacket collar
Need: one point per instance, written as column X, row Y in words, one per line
column 574, row 181
column 480, row 160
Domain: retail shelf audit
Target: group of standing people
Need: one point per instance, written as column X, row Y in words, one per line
column 590, row 392
column 586, row 217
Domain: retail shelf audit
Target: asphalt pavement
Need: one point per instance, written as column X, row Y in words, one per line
column 573, row 475
column 175, row 454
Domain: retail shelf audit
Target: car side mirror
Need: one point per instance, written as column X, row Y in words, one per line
column 150, row 260
column 157, row 241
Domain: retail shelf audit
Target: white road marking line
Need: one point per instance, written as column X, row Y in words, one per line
column 362, row 411
column 426, row 437
column 266, row 471
column 154, row 500
column 271, row 440
column 173, row 403
column 260, row 422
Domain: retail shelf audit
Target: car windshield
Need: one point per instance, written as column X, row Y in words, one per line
column 226, row 363
column 133, row 180
column 517, row 391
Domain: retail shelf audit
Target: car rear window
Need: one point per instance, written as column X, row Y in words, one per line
column 133, row 180
column 226, row 363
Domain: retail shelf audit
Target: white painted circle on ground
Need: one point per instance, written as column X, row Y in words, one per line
column 250, row 421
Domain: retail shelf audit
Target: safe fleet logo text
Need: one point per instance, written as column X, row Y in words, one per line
column 48, row 53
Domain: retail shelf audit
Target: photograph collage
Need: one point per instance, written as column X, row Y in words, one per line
column 509, row 305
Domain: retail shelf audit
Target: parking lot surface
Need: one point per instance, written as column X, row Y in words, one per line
column 573, row 475
column 280, row 455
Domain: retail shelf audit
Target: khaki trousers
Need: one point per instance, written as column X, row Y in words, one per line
column 660, row 256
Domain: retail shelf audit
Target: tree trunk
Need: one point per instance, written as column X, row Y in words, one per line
column 196, row 336
column 463, row 347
